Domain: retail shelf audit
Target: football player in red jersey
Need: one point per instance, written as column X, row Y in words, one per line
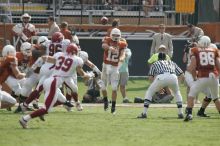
column 9, row 74
column 113, row 55
column 205, row 64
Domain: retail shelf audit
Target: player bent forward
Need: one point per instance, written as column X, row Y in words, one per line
column 164, row 74
column 65, row 65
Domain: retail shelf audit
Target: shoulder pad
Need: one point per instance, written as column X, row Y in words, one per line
column 84, row 55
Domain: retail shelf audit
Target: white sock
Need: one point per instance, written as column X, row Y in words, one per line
column 145, row 110
column 180, row 110
column 27, row 117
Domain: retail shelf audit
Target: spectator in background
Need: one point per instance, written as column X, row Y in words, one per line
column 195, row 33
column 53, row 27
column 162, row 38
column 124, row 75
column 24, row 31
column 154, row 57
column 66, row 33
column 115, row 24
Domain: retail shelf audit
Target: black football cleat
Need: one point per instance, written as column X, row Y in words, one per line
column 35, row 106
column 202, row 114
column 42, row 118
column 188, row 118
column 68, row 104
column 18, row 110
column 113, row 110
column 106, row 105
column 180, row 116
column 142, row 116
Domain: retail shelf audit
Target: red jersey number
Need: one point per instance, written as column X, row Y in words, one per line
column 64, row 64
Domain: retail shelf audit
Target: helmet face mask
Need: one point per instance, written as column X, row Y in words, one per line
column 204, row 42
column 26, row 49
column 8, row 50
column 115, row 34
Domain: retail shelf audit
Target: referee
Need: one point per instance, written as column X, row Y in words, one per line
column 163, row 73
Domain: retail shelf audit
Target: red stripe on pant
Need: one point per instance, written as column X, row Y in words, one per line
column 48, row 101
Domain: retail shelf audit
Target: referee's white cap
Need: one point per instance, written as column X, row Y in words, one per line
column 162, row 46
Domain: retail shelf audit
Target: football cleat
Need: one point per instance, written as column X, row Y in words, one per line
column 68, row 106
column 79, row 106
column 23, row 107
column 68, row 103
column 69, row 109
column 188, row 118
column 35, row 105
column 106, row 105
column 142, row 116
column 23, row 123
column 180, row 116
column 42, row 118
column 8, row 108
column 126, row 100
column 18, row 110
column 113, row 110
column 202, row 114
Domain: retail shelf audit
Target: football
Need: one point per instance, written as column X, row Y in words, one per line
column 104, row 20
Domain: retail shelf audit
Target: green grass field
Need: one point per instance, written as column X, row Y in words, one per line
column 95, row 127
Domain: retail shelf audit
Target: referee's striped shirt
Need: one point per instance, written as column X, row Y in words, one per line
column 164, row 66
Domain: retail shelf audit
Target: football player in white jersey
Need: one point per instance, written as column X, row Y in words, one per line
column 46, row 68
column 65, row 65
column 85, row 57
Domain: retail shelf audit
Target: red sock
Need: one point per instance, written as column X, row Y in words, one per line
column 75, row 96
column 38, row 113
column 33, row 95
column 68, row 96
column 57, row 103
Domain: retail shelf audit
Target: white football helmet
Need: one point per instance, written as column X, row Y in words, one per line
column 26, row 48
column 8, row 50
column 115, row 34
column 213, row 46
column 204, row 42
column 42, row 40
column 84, row 55
column 75, row 40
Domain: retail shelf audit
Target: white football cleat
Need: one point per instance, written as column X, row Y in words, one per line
column 23, row 123
column 79, row 106
column 23, row 107
column 69, row 109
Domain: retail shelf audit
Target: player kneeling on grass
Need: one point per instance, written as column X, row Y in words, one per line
column 164, row 74
column 66, row 64
column 9, row 76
